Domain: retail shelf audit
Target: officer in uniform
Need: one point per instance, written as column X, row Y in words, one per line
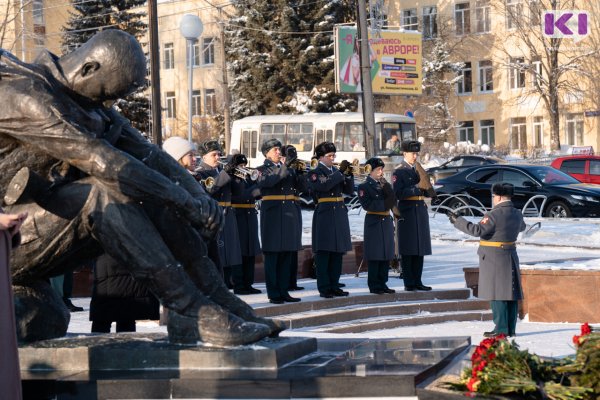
column 414, row 241
column 377, row 197
column 330, row 226
column 244, row 193
column 280, row 234
column 228, row 242
column 499, row 274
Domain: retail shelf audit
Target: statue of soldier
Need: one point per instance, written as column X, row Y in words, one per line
column 92, row 183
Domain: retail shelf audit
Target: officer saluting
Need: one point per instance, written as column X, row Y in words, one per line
column 330, row 226
column 499, row 274
column 377, row 197
column 280, row 233
column 414, row 241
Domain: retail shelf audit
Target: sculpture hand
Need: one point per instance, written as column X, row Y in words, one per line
column 205, row 215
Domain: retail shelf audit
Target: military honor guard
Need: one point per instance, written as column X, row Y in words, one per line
column 377, row 197
column 244, row 192
column 217, row 181
column 279, row 231
column 499, row 274
column 414, row 240
column 330, row 226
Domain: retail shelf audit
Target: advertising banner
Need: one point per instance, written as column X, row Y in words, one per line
column 396, row 61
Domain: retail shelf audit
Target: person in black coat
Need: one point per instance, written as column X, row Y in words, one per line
column 280, row 234
column 118, row 297
column 414, row 240
column 244, row 193
column 377, row 197
column 330, row 226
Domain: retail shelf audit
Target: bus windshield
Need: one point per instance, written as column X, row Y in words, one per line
column 389, row 136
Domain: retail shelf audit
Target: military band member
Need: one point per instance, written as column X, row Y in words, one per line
column 228, row 244
column 330, row 225
column 414, row 240
column 244, row 193
column 377, row 197
column 499, row 274
column 280, row 234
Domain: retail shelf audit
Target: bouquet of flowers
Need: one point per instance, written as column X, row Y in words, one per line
column 499, row 367
column 585, row 368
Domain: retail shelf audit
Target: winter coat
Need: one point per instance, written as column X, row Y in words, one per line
column 414, row 238
column 379, row 229
column 116, row 295
column 330, row 226
column 243, row 202
column 499, row 274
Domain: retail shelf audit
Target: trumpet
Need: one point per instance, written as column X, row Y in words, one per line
column 245, row 173
column 358, row 169
column 208, row 182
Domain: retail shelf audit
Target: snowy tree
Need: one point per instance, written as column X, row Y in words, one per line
column 90, row 17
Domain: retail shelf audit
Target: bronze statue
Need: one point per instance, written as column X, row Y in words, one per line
column 92, row 183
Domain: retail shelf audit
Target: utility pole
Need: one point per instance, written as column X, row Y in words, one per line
column 365, row 74
column 155, row 73
column 225, row 86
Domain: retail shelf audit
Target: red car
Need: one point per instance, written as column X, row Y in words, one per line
column 584, row 168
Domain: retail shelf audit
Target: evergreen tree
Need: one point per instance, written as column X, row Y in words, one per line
column 90, row 17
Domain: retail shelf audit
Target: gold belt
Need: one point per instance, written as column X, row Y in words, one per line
column 495, row 244
column 225, row 203
column 330, row 199
column 414, row 198
column 281, row 197
column 384, row 213
column 243, row 205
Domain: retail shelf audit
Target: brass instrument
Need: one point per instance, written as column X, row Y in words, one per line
column 358, row 169
column 241, row 172
column 208, row 182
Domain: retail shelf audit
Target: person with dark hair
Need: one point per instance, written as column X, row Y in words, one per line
column 228, row 243
column 499, row 273
column 118, row 297
column 414, row 240
column 244, row 193
column 279, row 231
column 330, row 225
column 377, row 197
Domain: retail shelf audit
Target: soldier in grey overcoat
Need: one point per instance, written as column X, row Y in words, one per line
column 499, row 274
column 414, row 240
column 280, row 233
column 377, row 197
column 330, row 225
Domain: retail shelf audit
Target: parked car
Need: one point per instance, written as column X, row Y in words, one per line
column 459, row 163
column 584, row 168
column 565, row 196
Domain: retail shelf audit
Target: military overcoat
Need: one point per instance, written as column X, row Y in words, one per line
column 499, row 274
column 413, row 228
column 330, row 226
column 379, row 229
column 280, row 228
column 243, row 201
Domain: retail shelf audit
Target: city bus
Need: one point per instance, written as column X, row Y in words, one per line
column 305, row 131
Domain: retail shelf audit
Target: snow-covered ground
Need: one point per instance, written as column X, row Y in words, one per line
column 568, row 240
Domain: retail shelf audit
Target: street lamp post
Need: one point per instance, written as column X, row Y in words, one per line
column 190, row 27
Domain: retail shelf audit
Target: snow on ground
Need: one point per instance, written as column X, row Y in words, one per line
column 560, row 244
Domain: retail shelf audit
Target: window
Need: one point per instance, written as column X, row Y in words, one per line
column 465, row 85
column 171, row 105
column 429, row 22
column 466, row 132
column 300, row 136
column 574, row 129
column 518, row 133
column 196, row 103
column 573, row 166
column 210, row 102
column 462, row 18
column 486, row 78
column 516, row 75
column 272, row 131
column 594, row 167
column 537, row 69
column 515, row 177
column 38, row 12
column 208, row 51
column 485, row 175
column 486, row 132
column 514, row 13
column 168, row 56
column 409, row 19
column 483, row 16
column 249, row 143
column 538, row 131
column 349, row 136
column 195, row 53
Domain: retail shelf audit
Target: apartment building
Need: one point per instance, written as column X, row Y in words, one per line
column 497, row 101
